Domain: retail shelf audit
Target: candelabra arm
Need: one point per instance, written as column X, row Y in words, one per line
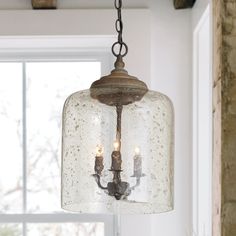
column 98, row 181
column 136, row 185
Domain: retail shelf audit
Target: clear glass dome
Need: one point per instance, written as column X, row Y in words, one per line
column 89, row 147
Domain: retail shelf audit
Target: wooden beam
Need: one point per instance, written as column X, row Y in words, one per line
column 44, row 4
column 182, row 4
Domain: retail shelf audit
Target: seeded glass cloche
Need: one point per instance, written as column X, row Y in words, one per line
column 117, row 146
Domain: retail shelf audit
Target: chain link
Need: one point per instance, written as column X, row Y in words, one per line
column 122, row 47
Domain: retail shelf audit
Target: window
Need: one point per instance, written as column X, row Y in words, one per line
column 31, row 100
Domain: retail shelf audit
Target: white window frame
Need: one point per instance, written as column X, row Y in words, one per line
column 202, row 109
column 29, row 49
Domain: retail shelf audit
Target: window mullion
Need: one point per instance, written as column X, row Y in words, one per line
column 24, row 144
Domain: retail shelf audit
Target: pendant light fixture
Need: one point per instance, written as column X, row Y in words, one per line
column 117, row 144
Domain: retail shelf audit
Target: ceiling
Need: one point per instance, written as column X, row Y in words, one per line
column 70, row 4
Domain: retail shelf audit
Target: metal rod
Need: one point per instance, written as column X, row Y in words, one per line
column 24, row 137
column 119, row 109
column 24, row 144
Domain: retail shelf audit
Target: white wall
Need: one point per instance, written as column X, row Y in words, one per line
column 171, row 74
column 166, row 68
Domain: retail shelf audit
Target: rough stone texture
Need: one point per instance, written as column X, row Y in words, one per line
column 217, row 99
column 224, row 118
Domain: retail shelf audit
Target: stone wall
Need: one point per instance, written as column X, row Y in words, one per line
column 217, row 52
column 224, row 113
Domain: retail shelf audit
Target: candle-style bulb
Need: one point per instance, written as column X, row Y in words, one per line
column 116, row 145
column 137, row 151
column 137, row 163
column 99, row 151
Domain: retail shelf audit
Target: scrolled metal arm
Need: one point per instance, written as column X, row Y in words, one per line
column 98, row 181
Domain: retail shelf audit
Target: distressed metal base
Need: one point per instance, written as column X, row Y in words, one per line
column 118, row 190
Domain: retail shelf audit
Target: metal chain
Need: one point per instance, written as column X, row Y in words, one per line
column 119, row 28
